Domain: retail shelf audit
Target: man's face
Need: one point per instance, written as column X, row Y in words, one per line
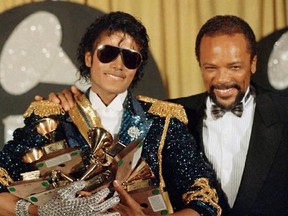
column 112, row 78
column 226, row 68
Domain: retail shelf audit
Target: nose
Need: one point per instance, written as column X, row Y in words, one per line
column 222, row 75
column 117, row 63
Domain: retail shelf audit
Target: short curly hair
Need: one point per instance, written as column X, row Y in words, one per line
column 110, row 23
column 227, row 25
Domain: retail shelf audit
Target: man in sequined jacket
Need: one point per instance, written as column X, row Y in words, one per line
column 112, row 54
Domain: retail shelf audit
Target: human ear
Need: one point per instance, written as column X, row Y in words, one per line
column 88, row 59
column 253, row 64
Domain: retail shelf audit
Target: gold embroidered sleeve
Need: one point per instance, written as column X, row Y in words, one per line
column 5, row 179
column 205, row 194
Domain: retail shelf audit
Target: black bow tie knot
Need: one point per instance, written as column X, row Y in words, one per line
column 218, row 112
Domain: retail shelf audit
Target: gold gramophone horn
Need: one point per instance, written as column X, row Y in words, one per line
column 32, row 155
column 46, row 127
column 100, row 138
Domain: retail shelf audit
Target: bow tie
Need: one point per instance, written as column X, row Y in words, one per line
column 218, row 112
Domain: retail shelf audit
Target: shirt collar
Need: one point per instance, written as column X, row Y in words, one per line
column 116, row 104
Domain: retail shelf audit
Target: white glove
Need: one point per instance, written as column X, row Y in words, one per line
column 65, row 202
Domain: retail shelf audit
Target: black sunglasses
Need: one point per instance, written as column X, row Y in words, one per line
column 131, row 58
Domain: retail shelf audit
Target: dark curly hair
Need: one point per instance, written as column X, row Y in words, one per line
column 227, row 25
column 110, row 23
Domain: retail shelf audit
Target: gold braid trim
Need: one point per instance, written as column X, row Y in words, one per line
column 205, row 194
column 44, row 108
column 84, row 116
column 164, row 108
column 167, row 115
column 159, row 155
column 5, row 179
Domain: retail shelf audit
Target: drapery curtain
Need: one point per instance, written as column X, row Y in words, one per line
column 173, row 25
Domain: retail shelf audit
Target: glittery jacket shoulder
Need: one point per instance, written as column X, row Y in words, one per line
column 189, row 180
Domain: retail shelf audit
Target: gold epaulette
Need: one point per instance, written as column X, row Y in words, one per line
column 164, row 108
column 5, row 179
column 44, row 108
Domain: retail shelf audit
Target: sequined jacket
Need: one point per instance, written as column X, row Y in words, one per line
column 189, row 180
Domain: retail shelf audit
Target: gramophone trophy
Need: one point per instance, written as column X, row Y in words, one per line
column 109, row 160
column 56, row 155
column 54, row 162
column 58, row 164
column 103, row 148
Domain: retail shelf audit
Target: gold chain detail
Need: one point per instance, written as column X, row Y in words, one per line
column 205, row 194
column 5, row 179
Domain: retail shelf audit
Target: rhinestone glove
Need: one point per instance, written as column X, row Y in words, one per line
column 65, row 202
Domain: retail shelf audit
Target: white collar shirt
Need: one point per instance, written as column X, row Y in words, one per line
column 226, row 142
column 110, row 115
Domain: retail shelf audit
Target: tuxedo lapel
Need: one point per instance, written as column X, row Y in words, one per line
column 199, row 126
column 195, row 111
column 262, row 148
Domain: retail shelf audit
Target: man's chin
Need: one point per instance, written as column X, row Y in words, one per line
column 225, row 105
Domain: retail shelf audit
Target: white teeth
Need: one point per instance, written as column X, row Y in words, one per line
column 224, row 90
column 114, row 76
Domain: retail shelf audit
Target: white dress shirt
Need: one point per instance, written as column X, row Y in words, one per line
column 226, row 142
column 110, row 115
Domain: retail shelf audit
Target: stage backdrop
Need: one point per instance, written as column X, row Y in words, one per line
column 38, row 44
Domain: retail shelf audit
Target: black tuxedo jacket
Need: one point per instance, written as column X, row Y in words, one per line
column 264, row 185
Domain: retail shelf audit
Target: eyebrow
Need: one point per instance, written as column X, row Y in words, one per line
column 215, row 65
column 236, row 62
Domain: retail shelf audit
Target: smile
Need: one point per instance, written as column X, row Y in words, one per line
column 225, row 92
column 114, row 76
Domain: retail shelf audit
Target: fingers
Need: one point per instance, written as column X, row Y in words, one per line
column 104, row 206
column 112, row 214
column 65, row 98
column 127, row 206
column 38, row 98
column 54, row 98
column 122, row 209
column 69, row 192
column 76, row 91
column 100, row 195
column 126, row 199
column 84, row 193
